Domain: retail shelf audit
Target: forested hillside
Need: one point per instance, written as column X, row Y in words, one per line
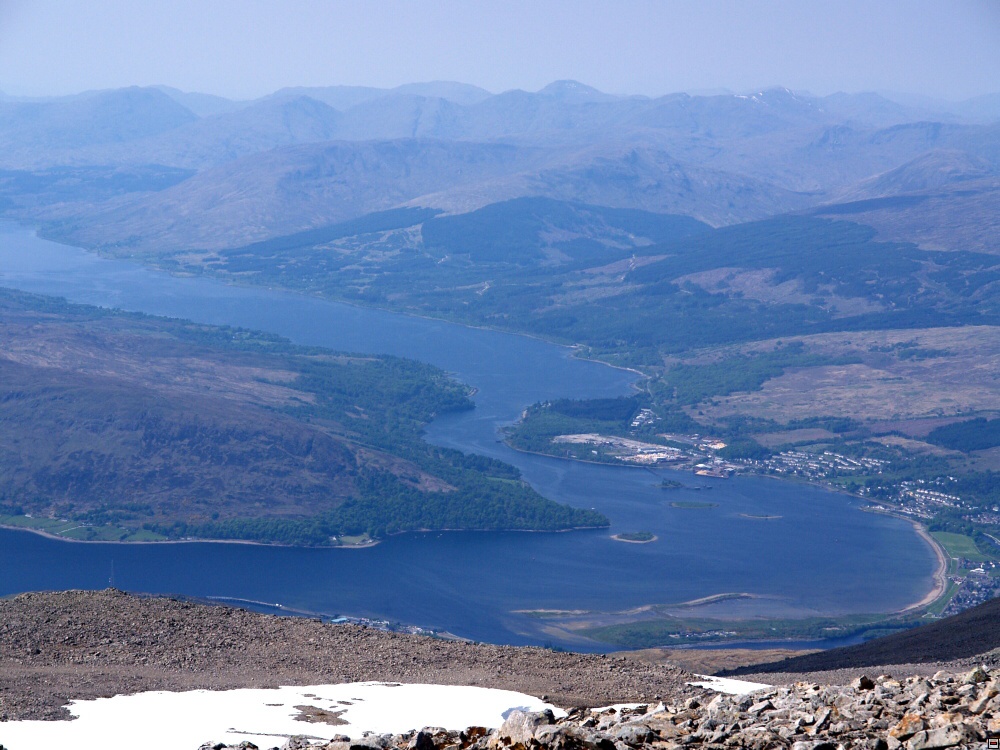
column 163, row 428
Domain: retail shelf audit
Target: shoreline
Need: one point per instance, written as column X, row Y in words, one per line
column 940, row 575
column 58, row 538
column 618, row 538
column 251, row 542
column 574, row 348
column 607, row 463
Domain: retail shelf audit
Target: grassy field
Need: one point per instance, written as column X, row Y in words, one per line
column 939, row 606
column 80, row 532
column 958, row 545
column 688, row 631
column 887, row 383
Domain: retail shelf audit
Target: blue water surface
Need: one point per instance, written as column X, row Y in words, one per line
column 821, row 556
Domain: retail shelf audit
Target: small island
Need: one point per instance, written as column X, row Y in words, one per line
column 635, row 537
column 692, row 504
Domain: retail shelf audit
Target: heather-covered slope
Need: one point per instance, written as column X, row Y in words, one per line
column 964, row 635
column 170, row 428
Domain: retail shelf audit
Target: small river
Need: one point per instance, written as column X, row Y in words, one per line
column 821, row 556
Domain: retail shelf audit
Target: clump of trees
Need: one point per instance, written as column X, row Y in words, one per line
column 971, row 435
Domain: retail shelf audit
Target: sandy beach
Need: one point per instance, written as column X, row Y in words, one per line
column 940, row 575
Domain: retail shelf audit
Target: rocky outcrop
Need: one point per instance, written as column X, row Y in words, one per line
column 915, row 713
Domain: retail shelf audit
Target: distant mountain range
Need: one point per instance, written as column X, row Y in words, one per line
column 220, row 173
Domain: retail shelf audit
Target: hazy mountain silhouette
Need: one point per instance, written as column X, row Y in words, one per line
column 305, row 157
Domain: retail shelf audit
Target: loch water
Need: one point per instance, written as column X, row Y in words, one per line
column 822, row 555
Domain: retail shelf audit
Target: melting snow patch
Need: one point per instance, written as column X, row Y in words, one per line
column 176, row 721
column 617, row 707
column 727, row 685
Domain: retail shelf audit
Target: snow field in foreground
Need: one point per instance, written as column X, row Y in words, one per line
column 183, row 721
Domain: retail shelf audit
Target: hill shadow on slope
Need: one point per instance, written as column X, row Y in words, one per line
column 961, row 636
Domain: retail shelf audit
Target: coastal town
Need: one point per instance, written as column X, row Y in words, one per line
column 699, row 453
column 919, row 498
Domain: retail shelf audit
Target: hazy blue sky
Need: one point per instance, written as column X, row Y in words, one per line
column 247, row 48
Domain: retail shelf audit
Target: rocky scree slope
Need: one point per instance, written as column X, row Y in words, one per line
column 916, row 713
column 79, row 645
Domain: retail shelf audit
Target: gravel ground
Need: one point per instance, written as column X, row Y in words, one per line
column 846, row 676
column 711, row 660
column 55, row 647
column 990, row 660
